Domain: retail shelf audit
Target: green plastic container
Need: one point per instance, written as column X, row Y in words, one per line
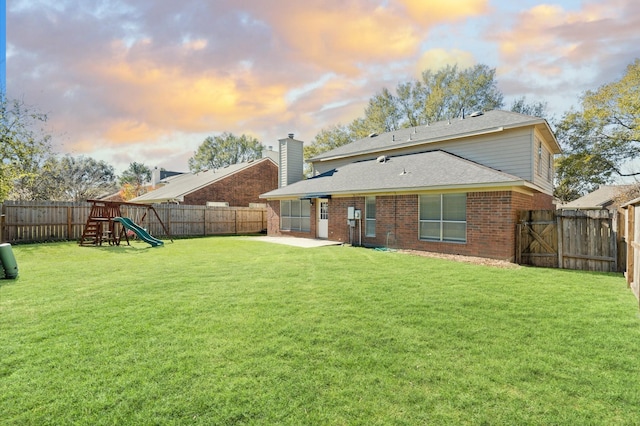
column 8, row 260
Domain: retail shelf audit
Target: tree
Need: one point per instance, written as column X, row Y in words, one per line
column 136, row 176
column 46, row 186
column 127, row 192
column 24, row 146
column 602, row 136
column 435, row 96
column 445, row 93
column 223, row 150
column 328, row 139
column 536, row 109
column 382, row 114
column 82, row 178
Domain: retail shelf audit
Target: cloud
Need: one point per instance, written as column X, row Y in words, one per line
column 169, row 97
column 127, row 78
column 554, row 54
column 436, row 59
column 431, row 12
column 343, row 38
column 548, row 40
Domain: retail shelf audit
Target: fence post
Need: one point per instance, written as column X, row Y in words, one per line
column 560, row 246
column 613, row 240
column 69, row 222
column 631, row 239
column 1, row 222
column 518, row 244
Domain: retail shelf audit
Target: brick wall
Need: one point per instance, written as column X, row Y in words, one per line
column 491, row 223
column 239, row 189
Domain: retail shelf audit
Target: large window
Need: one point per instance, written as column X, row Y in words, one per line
column 370, row 217
column 443, row 217
column 295, row 215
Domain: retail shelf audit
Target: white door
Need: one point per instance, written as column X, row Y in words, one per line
column 323, row 219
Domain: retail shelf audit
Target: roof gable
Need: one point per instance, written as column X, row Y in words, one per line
column 456, row 128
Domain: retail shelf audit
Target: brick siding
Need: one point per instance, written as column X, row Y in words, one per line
column 491, row 223
column 239, row 189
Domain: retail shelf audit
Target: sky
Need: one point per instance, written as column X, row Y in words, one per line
column 149, row 80
column 3, row 44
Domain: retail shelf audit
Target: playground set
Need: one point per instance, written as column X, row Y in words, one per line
column 106, row 224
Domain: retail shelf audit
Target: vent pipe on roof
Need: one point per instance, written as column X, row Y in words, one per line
column 290, row 135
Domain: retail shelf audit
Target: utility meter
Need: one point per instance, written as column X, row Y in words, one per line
column 351, row 213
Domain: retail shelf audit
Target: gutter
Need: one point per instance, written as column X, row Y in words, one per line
column 382, row 191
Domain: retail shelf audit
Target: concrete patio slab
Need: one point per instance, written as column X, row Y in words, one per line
column 296, row 242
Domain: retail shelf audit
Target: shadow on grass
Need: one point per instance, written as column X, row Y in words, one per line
column 125, row 249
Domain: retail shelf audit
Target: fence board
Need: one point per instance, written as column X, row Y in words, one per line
column 568, row 239
column 38, row 221
column 634, row 250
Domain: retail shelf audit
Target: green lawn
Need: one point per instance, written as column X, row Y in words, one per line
column 227, row 331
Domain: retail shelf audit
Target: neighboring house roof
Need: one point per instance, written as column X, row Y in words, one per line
column 430, row 170
column 600, row 198
column 177, row 187
column 455, row 128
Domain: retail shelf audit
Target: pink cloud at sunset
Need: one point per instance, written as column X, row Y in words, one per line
column 148, row 80
column 553, row 44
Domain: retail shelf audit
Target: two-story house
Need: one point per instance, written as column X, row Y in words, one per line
column 452, row 187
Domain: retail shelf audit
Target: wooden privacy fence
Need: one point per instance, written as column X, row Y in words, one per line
column 569, row 239
column 37, row 221
column 629, row 217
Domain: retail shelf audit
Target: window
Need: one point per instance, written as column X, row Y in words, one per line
column 295, row 215
column 324, row 210
column 370, row 217
column 443, row 217
column 539, row 156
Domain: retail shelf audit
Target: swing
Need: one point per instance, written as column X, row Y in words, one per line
column 130, row 233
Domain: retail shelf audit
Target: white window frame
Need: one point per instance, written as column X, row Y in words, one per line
column 539, row 156
column 369, row 218
column 441, row 222
column 298, row 219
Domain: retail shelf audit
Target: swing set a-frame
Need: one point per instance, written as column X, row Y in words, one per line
column 105, row 224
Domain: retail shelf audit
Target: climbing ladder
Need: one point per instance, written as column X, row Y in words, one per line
column 99, row 226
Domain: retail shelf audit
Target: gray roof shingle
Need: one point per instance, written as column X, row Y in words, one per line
column 422, row 171
column 599, row 198
column 442, row 130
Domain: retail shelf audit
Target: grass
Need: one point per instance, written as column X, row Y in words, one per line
column 227, row 331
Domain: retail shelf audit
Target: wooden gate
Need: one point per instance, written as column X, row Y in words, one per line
column 537, row 238
column 568, row 239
